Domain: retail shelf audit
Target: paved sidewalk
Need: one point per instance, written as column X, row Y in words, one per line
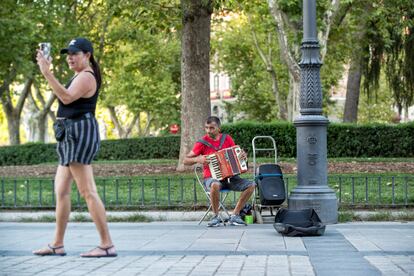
column 184, row 248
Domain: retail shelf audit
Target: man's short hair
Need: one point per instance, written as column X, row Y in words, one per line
column 214, row 119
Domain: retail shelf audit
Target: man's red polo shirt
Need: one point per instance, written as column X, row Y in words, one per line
column 201, row 149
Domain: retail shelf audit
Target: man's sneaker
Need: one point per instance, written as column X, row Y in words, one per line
column 236, row 220
column 214, row 222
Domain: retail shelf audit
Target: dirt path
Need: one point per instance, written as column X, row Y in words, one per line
column 144, row 169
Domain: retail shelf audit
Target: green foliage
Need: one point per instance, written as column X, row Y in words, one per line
column 28, row 154
column 142, row 62
column 140, row 148
column 251, row 82
column 377, row 215
column 284, row 134
column 344, row 140
column 346, row 216
column 123, row 149
column 233, row 44
column 135, row 217
column 376, row 109
column 347, row 140
column 137, row 44
column 388, row 45
column 43, row 218
column 148, row 80
column 24, row 44
column 23, row 24
column 79, row 217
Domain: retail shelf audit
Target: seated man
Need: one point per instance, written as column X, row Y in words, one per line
column 214, row 141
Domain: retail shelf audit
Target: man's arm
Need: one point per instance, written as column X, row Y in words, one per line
column 192, row 159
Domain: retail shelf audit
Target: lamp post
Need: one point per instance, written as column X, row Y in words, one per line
column 312, row 190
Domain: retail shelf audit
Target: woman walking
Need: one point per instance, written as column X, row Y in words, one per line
column 77, row 135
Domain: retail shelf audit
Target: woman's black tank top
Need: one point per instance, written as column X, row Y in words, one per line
column 79, row 107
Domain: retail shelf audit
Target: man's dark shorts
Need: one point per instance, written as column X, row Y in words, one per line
column 235, row 183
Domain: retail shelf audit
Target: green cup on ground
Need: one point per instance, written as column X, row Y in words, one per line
column 248, row 219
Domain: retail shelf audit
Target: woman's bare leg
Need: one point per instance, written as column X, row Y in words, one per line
column 83, row 175
column 63, row 181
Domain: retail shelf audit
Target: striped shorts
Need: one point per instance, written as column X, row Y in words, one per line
column 81, row 142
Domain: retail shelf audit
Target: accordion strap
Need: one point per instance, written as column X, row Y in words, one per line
column 222, row 139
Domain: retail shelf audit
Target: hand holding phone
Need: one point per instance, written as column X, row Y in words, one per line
column 43, row 57
column 45, row 47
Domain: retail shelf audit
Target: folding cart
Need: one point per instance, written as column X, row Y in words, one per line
column 270, row 192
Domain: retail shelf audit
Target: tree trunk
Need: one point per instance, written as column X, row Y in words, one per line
column 42, row 121
column 195, row 67
column 116, row 122
column 31, row 119
column 139, row 128
column 353, row 86
column 42, row 127
column 399, row 110
column 293, row 97
column 38, row 112
column 275, row 88
column 13, row 113
column 123, row 132
column 129, row 128
column 353, row 89
column 147, row 124
column 9, row 79
column 13, row 124
column 406, row 115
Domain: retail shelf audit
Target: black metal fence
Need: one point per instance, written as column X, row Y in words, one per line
column 181, row 192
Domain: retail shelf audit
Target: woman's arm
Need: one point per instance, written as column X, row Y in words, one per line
column 82, row 85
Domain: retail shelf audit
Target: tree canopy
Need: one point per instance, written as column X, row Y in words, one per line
column 257, row 43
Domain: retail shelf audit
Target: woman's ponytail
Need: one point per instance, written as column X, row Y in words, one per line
column 96, row 71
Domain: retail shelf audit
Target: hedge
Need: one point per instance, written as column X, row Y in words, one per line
column 344, row 140
column 123, row 149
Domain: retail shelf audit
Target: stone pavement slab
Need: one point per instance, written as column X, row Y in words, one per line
column 185, row 248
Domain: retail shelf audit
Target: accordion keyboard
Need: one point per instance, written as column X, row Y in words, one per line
column 215, row 168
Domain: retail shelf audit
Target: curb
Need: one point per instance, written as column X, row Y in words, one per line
column 151, row 215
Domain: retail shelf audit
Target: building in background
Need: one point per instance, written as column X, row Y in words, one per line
column 220, row 94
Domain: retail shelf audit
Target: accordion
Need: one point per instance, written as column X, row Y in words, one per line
column 226, row 163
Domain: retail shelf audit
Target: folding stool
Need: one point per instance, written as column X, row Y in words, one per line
column 225, row 192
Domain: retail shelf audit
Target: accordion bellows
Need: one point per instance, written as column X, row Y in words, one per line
column 226, row 163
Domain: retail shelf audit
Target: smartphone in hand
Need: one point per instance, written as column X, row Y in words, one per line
column 45, row 47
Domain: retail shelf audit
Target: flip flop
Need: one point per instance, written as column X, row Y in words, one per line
column 106, row 254
column 51, row 253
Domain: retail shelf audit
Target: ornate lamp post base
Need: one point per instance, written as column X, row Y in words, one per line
column 312, row 190
column 323, row 203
